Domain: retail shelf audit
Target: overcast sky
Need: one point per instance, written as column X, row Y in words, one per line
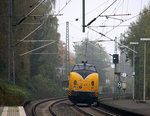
column 73, row 11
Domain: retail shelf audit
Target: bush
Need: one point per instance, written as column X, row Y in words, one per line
column 12, row 95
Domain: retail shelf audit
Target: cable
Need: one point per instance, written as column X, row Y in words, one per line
column 20, row 41
column 96, row 7
column 101, row 34
column 109, row 26
column 121, row 23
column 64, row 6
column 113, row 12
column 115, row 9
column 127, row 7
column 37, row 48
column 37, row 28
column 87, row 12
column 113, row 40
column 100, row 14
column 23, row 18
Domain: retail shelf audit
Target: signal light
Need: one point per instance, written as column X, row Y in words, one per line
column 115, row 58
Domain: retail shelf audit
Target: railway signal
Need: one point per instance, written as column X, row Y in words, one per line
column 115, row 58
column 119, row 84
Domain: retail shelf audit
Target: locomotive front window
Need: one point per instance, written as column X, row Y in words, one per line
column 91, row 68
column 78, row 67
column 82, row 67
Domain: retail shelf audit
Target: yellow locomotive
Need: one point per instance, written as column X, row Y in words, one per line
column 83, row 84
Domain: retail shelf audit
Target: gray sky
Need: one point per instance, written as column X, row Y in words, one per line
column 73, row 10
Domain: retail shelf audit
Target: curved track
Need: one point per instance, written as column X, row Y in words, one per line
column 44, row 108
column 92, row 111
column 63, row 107
column 51, row 107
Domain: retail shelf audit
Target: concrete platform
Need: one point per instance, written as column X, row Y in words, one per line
column 130, row 105
column 12, row 111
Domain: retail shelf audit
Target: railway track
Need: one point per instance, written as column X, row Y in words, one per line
column 93, row 111
column 63, row 107
column 53, row 104
column 101, row 110
column 44, row 107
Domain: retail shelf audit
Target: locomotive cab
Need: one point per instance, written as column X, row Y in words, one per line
column 83, row 84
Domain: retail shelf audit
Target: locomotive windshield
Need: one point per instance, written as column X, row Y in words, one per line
column 84, row 67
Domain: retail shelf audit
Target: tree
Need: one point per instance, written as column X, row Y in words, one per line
column 140, row 29
column 94, row 54
column 31, row 71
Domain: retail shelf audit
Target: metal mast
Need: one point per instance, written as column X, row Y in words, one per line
column 83, row 14
column 9, row 37
column 67, row 50
column 115, row 71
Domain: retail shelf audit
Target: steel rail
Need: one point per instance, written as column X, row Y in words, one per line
column 53, row 104
column 103, row 111
column 41, row 102
column 81, row 111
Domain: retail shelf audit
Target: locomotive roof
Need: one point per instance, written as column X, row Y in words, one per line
column 86, row 64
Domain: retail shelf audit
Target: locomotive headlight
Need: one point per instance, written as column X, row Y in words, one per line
column 75, row 82
column 92, row 83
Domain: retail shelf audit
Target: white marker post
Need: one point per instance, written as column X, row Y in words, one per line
column 144, row 91
column 133, row 74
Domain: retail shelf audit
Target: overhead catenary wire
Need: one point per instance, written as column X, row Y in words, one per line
column 90, row 11
column 96, row 8
column 121, row 23
column 23, row 18
column 64, row 6
column 113, row 40
column 127, row 7
column 78, row 18
column 110, row 26
column 37, row 48
column 100, row 14
column 44, row 53
column 28, row 34
column 113, row 12
column 37, row 40
column 108, row 17
column 116, row 8
column 39, row 25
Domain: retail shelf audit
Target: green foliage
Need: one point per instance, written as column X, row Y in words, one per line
column 137, row 30
column 36, row 75
column 11, row 95
column 94, row 54
column 47, row 87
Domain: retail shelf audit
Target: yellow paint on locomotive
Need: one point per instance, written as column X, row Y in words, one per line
column 90, row 83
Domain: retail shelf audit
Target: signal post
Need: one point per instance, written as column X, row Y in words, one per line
column 117, row 80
